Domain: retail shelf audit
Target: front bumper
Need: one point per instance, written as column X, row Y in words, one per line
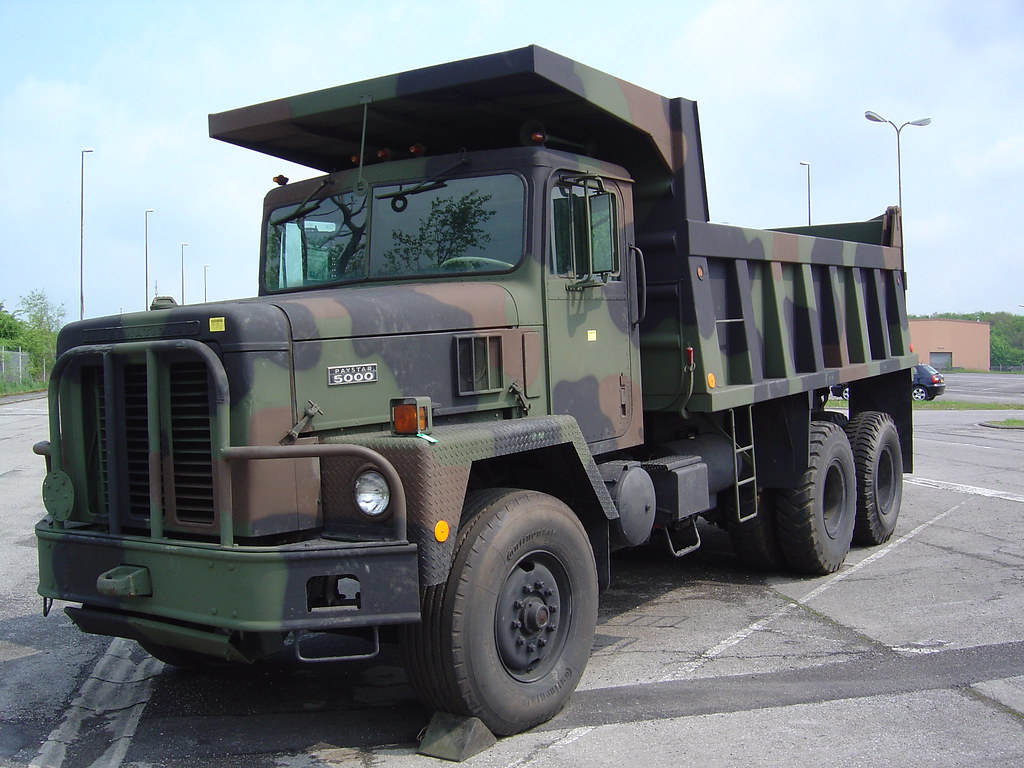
column 232, row 589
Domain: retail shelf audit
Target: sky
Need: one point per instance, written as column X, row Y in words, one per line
column 777, row 82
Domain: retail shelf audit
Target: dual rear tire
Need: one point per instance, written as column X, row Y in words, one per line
column 850, row 492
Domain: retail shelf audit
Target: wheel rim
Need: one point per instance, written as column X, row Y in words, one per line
column 533, row 604
column 885, row 481
column 833, row 500
column 919, row 393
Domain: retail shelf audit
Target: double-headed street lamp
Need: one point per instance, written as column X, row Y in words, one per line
column 81, row 243
column 874, row 117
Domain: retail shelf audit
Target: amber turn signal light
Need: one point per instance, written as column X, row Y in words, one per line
column 411, row 416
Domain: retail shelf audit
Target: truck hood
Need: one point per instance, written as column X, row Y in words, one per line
column 397, row 310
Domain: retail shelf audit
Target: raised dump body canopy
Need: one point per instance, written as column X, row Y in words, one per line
column 488, row 102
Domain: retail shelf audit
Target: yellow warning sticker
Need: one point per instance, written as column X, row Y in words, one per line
column 216, row 324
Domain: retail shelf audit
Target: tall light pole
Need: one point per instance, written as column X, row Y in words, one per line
column 808, row 191
column 145, row 294
column 874, row 117
column 81, row 243
column 183, row 272
column 205, row 267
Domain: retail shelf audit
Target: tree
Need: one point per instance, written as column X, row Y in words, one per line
column 11, row 328
column 449, row 231
column 41, row 320
column 1002, row 354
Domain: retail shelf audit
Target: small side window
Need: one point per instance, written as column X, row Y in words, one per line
column 584, row 237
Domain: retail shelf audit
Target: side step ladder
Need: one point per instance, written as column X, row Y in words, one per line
column 744, row 465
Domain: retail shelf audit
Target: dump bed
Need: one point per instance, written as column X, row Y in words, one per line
column 770, row 313
column 735, row 316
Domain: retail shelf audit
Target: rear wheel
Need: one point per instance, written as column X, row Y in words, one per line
column 879, row 464
column 507, row 637
column 815, row 518
column 919, row 393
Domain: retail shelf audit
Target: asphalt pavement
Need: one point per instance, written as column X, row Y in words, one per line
column 912, row 654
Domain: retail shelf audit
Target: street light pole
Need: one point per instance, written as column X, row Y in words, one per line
column 145, row 294
column 874, row 117
column 808, row 191
column 183, row 272
column 81, row 243
column 205, row 267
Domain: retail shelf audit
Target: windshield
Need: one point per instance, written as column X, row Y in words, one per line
column 469, row 225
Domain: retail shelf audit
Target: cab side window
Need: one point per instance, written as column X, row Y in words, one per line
column 584, row 237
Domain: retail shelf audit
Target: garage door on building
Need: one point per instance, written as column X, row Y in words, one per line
column 941, row 360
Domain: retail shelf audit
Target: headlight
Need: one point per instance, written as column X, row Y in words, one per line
column 372, row 493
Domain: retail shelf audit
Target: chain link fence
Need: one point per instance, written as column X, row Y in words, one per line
column 13, row 366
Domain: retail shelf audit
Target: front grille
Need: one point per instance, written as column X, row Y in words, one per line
column 185, row 466
column 190, row 443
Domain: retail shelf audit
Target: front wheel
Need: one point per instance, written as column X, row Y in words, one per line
column 507, row 637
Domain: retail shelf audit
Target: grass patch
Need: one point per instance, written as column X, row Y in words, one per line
column 1018, row 423
column 12, row 388
column 942, row 404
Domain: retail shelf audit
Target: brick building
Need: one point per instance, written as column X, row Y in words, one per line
column 948, row 344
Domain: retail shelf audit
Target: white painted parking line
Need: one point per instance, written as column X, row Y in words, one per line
column 942, row 485
column 114, row 696
column 686, row 670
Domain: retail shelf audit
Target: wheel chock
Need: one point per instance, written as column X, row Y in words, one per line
column 455, row 737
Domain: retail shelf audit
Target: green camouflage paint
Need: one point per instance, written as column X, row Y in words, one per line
column 216, row 446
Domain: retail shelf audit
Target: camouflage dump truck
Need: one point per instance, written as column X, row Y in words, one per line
column 496, row 341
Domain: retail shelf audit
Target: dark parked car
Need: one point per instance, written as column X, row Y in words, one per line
column 928, row 384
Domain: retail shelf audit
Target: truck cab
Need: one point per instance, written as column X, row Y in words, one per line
column 503, row 282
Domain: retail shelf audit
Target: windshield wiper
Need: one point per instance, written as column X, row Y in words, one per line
column 302, row 210
column 423, row 186
column 398, row 197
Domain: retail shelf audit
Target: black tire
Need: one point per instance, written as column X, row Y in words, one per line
column 508, row 636
column 879, row 463
column 833, row 417
column 815, row 519
column 919, row 393
column 756, row 541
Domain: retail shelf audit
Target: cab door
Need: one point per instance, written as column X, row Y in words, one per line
column 592, row 329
